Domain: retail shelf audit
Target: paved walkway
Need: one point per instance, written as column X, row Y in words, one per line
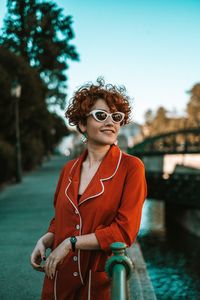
column 25, row 211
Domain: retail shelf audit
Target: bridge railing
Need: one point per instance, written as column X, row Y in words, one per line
column 119, row 268
column 183, row 141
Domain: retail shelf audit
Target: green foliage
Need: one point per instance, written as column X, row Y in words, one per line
column 40, row 130
column 32, row 97
column 35, row 50
column 32, row 153
column 7, row 161
column 40, row 32
column 58, row 130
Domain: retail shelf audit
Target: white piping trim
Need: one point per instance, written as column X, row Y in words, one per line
column 55, row 282
column 70, row 181
column 69, row 197
column 79, row 251
column 79, row 267
column 89, row 284
column 73, row 166
column 103, row 179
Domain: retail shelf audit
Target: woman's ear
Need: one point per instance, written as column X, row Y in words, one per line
column 82, row 127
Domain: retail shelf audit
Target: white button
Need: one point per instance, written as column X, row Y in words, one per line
column 76, row 212
column 75, row 258
column 75, row 274
column 77, row 226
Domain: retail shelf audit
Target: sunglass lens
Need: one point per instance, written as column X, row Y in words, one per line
column 117, row 117
column 100, row 115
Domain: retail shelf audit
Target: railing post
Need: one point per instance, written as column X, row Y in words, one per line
column 119, row 268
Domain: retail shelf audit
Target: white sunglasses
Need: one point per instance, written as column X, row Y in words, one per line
column 101, row 116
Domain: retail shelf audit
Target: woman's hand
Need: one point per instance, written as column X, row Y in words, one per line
column 57, row 256
column 38, row 254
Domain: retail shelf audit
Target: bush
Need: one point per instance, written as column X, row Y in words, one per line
column 7, row 161
column 32, row 153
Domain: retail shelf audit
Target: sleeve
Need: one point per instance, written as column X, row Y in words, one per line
column 126, row 223
column 51, row 227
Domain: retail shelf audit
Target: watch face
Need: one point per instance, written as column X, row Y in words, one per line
column 73, row 239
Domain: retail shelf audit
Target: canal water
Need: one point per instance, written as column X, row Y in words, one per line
column 171, row 253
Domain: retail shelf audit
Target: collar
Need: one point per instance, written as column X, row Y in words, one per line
column 106, row 171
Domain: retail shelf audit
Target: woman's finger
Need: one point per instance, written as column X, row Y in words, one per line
column 53, row 269
column 42, row 253
column 35, row 260
column 48, row 266
column 52, row 266
column 37, row 267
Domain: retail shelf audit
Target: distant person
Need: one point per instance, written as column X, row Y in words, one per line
column 98, row 200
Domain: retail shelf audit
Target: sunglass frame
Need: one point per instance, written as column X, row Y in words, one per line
column 94, row 111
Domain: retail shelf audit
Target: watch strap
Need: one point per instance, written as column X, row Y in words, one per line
column 73, row 241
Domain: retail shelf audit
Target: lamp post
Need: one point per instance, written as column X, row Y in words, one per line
column 16, row 93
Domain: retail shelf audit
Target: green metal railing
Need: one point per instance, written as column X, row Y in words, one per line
column 119, row 268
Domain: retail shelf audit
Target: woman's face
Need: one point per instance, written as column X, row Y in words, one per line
column 98, row 133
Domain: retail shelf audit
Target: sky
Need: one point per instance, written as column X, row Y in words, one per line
column 152, row 47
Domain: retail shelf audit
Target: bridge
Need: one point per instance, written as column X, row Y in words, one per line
column 182, row 187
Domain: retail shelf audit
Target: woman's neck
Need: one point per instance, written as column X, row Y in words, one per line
column 96, row 154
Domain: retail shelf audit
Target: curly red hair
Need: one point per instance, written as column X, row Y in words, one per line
column 85, row 97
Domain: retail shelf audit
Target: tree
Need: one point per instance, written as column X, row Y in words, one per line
column 31, row 100
column 40, row 32
column 158, row 123
column 148, row 117
column 161, row 114
column 193, row 106
column 40, row 130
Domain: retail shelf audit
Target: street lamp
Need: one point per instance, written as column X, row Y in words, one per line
column 16, row 93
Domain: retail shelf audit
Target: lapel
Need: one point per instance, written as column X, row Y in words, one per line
column 106, row 171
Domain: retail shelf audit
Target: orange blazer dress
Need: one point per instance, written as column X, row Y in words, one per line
column 110, row 207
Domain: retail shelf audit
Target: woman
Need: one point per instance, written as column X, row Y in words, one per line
column 98, row 200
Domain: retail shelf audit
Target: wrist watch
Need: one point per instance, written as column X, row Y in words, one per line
column 73, row 241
